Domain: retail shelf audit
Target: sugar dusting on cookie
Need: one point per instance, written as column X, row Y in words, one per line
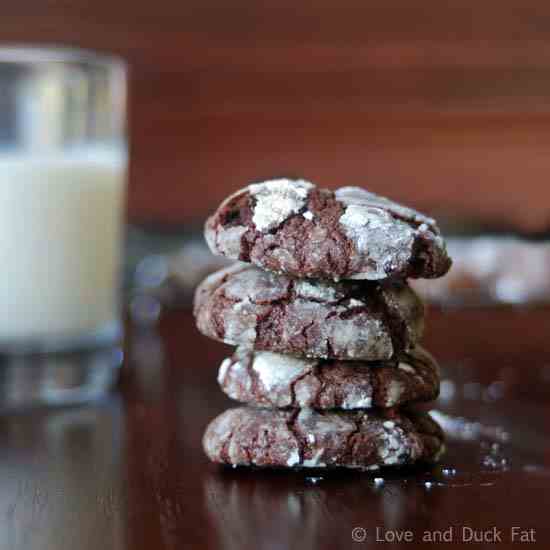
column 383, row 232
column 293, row 458
column 228, row 241
column 395, row 391
column 407, row 368
column 358, row 337
column 316, row 291
column 275, row 370
column 277, row 200
column 222, row 373
column 358, row 196
column 379, row 239
column 393, row 447
column 315, row 460
column 357, row 399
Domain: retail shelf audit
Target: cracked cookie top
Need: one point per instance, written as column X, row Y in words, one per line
column 294, row 227
column 350, row 320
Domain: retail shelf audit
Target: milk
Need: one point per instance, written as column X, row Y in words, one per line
column 60, row 244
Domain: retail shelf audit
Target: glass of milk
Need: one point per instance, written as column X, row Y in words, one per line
column 63, row 165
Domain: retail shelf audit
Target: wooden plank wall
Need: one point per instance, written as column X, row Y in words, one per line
column 441, row 104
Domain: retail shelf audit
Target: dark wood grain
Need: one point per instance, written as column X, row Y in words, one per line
column 128, row 472
column 443, row 105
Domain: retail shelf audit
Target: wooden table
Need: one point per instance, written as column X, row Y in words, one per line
column 128, row 472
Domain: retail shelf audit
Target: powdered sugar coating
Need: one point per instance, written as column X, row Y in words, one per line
column 353, row 195
column 277, row 200
column 405, row 367
column 396, row 447
column 226, row 438
column 224, row 367
column 357, row 399
column 360, row 321
column 277, row 380
column 228, row 241
column 379, row 240
column 293, row 458
column 311, row 439
column 315, row 461
column 318, row 291
column 384, row 233
column 394, row 393
column 399, row 302
column 288, row 368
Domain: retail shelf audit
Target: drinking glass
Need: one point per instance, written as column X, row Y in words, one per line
column 63, row 165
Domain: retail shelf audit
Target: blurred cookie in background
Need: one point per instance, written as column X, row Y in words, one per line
column 491, row 269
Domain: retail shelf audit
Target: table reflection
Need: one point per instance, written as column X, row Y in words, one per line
column 267, row 510
column 62, row 471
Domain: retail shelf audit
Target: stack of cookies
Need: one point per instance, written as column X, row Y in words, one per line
column 325, row 325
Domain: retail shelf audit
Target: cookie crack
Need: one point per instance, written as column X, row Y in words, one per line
column 254, row 379
column 304, row 331
column 416, row 224
column 224, row 452
column 323, row 384
column 394, row 325
column 290, row 424
column 348, row 454
column 330, row 349
column 292, row 388
column 248, row 242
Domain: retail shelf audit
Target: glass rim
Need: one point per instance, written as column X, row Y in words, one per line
column 38, row 54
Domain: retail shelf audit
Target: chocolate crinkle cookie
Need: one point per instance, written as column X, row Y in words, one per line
column 270, row 379
column 294, row 227
column 305, row 438
column 359, row 320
